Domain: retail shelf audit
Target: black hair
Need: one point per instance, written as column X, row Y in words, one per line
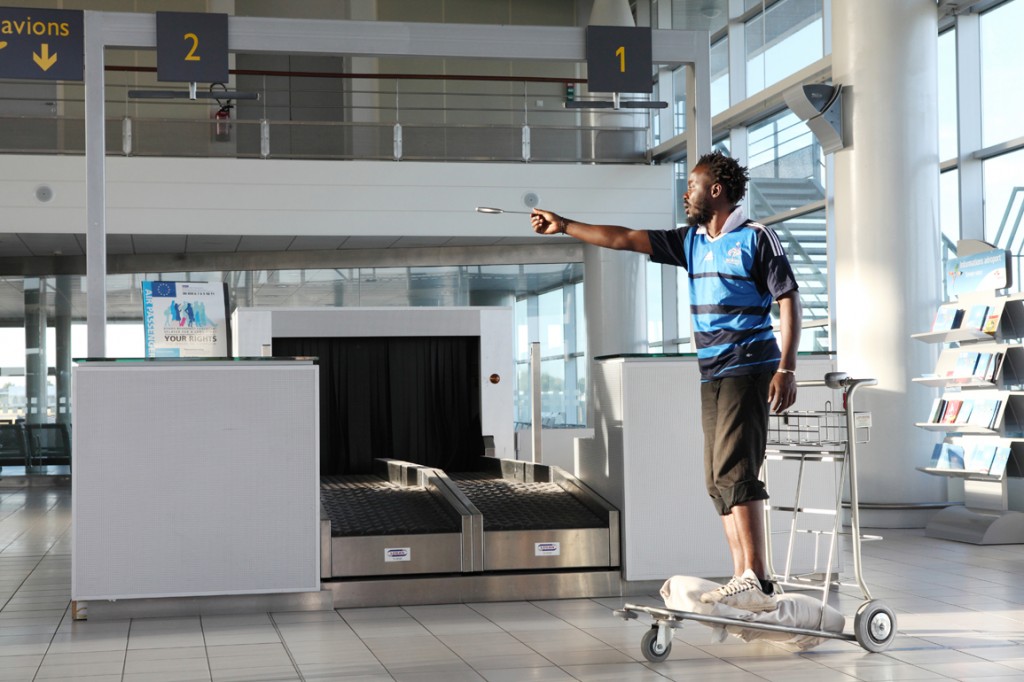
column 727, row 172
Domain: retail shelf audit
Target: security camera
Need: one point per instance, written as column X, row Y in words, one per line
column 821, row 106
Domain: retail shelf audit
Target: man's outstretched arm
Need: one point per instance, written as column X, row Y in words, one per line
column 606, row 236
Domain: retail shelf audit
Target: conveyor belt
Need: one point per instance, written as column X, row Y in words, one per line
column 368, row 505
column 513, row 505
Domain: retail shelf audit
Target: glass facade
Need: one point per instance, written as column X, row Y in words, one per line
column 1002, row 100
column 788, row 187
column 720, row 76
column 786, row 37
column 555, row 320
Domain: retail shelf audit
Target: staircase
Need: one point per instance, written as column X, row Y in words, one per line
column 1009, row 235
column 804, row 237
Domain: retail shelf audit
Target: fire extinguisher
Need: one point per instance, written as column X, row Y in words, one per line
column 222, row 124
column 222, row 116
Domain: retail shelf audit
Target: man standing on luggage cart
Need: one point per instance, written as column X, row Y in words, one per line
column 736, row 268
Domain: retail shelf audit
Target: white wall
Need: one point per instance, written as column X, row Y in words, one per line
column 288, row 197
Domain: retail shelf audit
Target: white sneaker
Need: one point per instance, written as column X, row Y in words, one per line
column 743, row 593
column 716, row 595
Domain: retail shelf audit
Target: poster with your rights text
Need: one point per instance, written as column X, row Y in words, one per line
column 185, row 319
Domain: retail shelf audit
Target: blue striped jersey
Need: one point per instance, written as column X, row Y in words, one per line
column 733, row 280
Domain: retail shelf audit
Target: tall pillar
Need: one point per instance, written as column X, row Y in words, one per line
column 614, row 282
column 887, row 240
column 35, row 350
column 62, row 325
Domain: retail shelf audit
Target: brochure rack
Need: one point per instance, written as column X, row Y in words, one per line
column 981, row 410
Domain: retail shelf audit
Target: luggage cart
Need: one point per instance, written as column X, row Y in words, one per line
column 829, row 436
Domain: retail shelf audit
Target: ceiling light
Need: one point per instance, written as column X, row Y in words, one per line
column 710, row 11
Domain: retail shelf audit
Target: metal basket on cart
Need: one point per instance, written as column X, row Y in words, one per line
column 829, row 436
column 817, row 429
column 818, row 436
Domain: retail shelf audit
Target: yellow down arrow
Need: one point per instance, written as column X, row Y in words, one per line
column 45, row 60
column 3, row 44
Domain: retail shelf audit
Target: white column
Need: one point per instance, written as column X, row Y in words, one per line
column 615, row 293
column 887, row 237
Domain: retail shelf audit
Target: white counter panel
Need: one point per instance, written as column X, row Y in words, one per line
column 195, row 478
column 646, row 458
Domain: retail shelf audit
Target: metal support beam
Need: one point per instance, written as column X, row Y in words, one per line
column 96, row 185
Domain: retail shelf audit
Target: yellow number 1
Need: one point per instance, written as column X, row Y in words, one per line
column 621, row 54
column 192, row 56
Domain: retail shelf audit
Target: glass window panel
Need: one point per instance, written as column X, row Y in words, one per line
column 552, row 393
column 582, row 367
column 551, row 323
column 1002, row 100
column 786, row 166
column 655, row 118
column 719, row 86
column 654, row 316
column 523, row 415
column 949, row 217
column 12, row 348
column 947, row 96
column 581, row 319
column 720, row 76
column 782, row 41
column 683, row 310
column 522, row 339
column 1004, row 202
column 680, row 172
column 949, row 206
column 678, row 101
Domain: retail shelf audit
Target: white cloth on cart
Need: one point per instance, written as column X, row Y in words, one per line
column 682, row 593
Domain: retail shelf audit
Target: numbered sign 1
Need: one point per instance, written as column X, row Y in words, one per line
column 619, row 59
column 191, row 47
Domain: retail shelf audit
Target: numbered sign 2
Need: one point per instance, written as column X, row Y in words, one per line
column 191, row 47
column 619, row 59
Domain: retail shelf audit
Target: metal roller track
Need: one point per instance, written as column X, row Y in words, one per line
column 538, row 517
column 401, row 521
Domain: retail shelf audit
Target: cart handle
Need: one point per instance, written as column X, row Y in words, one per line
column 838, row 380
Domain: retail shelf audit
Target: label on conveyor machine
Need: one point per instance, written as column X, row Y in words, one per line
column 397, row 554
column 547, row 548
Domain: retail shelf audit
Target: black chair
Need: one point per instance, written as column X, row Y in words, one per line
column 49, row 444
column 13, row 445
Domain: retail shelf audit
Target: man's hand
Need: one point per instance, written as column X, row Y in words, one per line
column 546, row 222
column 782, row 392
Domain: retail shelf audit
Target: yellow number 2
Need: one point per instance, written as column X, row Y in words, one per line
column 621, row 54
column 192, row 56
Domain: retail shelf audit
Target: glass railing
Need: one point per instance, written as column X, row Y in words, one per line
column 449, row 118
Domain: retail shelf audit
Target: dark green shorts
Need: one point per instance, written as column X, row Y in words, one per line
column 734, row 414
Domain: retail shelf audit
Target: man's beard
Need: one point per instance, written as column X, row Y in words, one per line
column 702, row 216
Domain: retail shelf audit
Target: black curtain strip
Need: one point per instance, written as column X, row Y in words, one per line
column 415, row 399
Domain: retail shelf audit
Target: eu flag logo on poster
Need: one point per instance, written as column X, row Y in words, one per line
column 165, row 289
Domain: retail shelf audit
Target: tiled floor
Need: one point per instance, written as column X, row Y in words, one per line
column 960, row 610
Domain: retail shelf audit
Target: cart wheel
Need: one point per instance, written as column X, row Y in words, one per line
column 654, row 652
column 874, row 626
